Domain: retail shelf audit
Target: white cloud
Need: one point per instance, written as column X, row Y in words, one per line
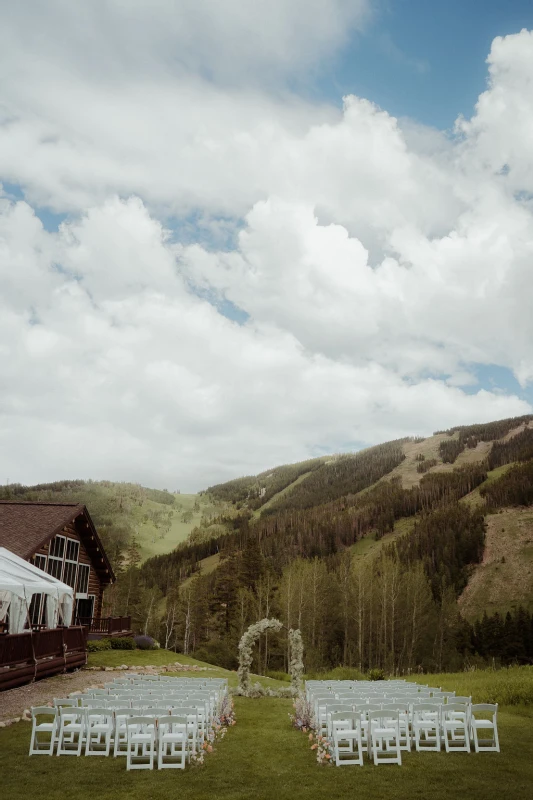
column 129, row 375
column 378, row 260
column 223, row 40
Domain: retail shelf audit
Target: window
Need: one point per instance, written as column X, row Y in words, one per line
column 69, row 575
column 55, row 568
column 55, row 557
column 73, row 549
column 37, row 609
column 37, row 604
column 83, row 579
column 40, row 562
column 71, row 562
column 57, row 547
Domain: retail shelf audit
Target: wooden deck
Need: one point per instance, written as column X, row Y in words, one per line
column 102, row 627
column 27, row 656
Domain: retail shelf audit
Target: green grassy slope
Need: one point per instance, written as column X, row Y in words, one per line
column 153, row 539
column 474, row 498
column 504, row 579
column 368, row 547
column 275, row 498
column 206, row 566
column 158, row 658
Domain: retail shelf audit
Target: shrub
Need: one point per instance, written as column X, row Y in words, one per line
column 145, row 643
column 122, row 643
column 96, row 645
column 219, row 653
column 337, row 674
column 277, row 675
column 376, row 675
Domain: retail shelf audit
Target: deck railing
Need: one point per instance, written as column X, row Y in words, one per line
column 20, row 648
column 106, row 625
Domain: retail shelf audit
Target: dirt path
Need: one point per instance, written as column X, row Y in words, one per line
column 14, row 701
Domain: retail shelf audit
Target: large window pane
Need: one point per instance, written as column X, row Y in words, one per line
column 73, row 548
column 57, row 546
column 69, row 574
column 40, row 561
column 55, row 567
column 83, row 579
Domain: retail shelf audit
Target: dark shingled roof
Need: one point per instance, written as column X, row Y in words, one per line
column 25, row 527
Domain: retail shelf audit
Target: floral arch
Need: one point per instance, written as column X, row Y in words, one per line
column 247, row 643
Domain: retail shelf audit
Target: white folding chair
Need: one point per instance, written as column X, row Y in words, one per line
column 481, row 723
column 193, row 724
column 347, row 738
column 404, row 722
column 72, row 729
column 384, row 733
column 44, row 721
column 141, row 734
column 334, row 708
column 66, row 702
column 120, row 734
column 172, row 745
column 454, row 726
column 426, row 726
column 99, row 731
column 365, row 710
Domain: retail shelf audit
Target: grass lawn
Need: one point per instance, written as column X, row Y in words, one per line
column 264, row 758
column 158, row 658
column 507, row 687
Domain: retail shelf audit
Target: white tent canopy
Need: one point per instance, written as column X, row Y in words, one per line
column 19, row 581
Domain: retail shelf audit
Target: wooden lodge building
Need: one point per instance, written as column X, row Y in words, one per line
column 61, row 540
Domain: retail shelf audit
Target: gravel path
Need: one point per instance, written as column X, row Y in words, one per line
column 14, row 701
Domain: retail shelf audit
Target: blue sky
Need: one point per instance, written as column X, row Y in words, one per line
column 424, row 59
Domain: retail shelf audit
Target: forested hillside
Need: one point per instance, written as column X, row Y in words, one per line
column 288, row 544
column 394, row 557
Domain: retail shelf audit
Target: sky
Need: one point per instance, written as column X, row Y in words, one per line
column 237, row 235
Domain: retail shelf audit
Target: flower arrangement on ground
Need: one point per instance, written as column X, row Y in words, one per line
column 323, row 748
column 224, row 720
column 303, row 720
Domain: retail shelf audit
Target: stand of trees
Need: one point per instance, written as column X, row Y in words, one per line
column 470, row 435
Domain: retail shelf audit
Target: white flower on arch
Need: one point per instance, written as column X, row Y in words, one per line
column 246, row 645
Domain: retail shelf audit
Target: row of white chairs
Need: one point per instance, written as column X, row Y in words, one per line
column 168, row 725
column 170, row 737
column 385, row 721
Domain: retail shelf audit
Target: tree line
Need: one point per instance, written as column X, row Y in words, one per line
column 470, row 435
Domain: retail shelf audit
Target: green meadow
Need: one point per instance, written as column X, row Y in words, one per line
column 264, row 758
